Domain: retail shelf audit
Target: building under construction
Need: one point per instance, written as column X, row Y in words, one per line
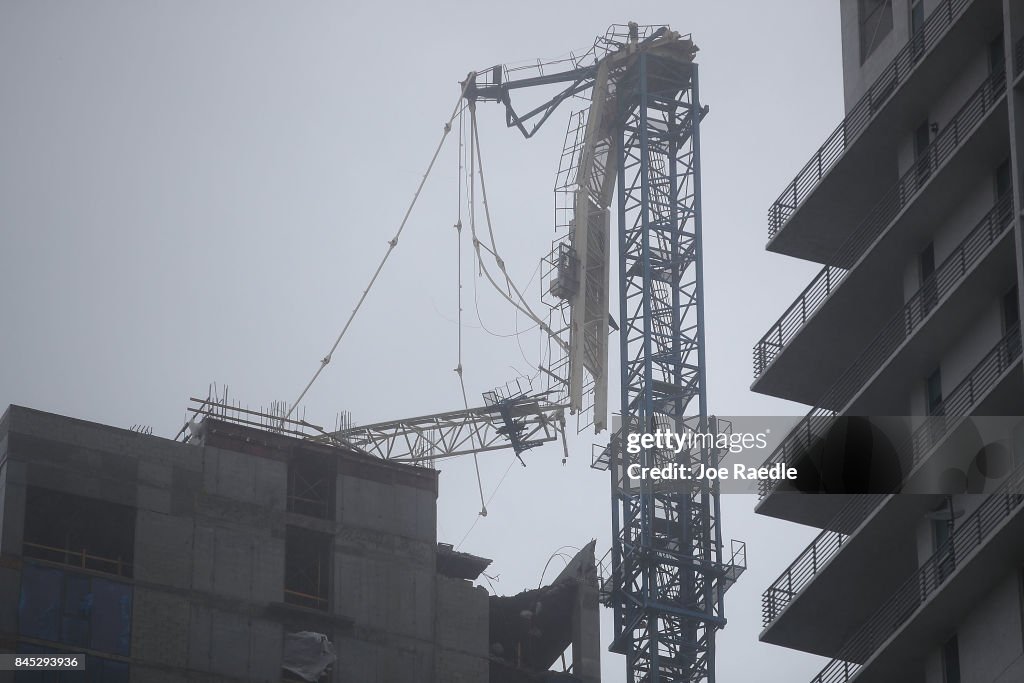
column 250, row 554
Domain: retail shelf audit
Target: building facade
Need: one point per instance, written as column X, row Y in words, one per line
column 246, row 554
column 912, row 206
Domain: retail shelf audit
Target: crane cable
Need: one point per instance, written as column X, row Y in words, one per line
column 524, row 307
column 392, row 243
column 521, row 305
column 458, row 368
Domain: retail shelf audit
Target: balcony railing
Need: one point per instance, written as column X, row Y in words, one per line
column 956, row 405
column 815, row 556
column 934, row 289
column 892, row 203
column 77, row 558
column 862, row 113
column 922, row 584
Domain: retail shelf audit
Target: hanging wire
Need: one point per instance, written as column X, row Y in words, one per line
column 391, row 247
column 489, row 499
column 519, row 302
column 458, row 367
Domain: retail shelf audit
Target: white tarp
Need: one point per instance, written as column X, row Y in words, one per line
column 308, row 654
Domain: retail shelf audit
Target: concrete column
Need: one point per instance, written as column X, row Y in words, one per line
column 1013, row 30
column 586, row 634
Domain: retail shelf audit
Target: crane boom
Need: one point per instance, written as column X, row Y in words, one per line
column 519, row 422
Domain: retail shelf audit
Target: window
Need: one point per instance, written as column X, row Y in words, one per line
column 1011, row 310
column 933, row 393
column 926, row 267
column 1017, row 436
column 922, row 156
column 311, row 486
column 75, row 609
column 942, row 531
column 996, row 58
column 77, row 531
column 875, row 17
column 917, row 28
column 307, row 568
column 1003, row 180
column 951, row 661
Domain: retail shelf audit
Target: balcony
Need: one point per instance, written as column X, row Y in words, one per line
column 972, row 254
column 986, row 387
column 810, row 333
column 844, row 560
column 892, row 643
column 821, row 206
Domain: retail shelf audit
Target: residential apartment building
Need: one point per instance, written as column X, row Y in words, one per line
column 241, row 553
column 912, row 206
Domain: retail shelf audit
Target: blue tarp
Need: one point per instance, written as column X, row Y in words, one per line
column 75, row 609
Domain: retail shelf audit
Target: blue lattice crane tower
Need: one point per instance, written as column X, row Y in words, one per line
column 639, row 145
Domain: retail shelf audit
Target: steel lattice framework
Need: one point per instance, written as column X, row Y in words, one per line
column 667, row 563
column 667, row 579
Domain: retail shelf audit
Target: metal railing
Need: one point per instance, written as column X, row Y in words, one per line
column 77, row 558
column 822, row 549
column 293, row 597
column 862, row 113
column 1018, row 57
column 933, row 290
column 949, row 139
column 923, row 583
column 972, row 389
column 955, row 405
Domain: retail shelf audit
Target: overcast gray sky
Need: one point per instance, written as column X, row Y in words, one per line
column 198, row 192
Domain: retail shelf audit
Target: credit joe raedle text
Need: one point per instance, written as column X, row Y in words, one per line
column 667, row 442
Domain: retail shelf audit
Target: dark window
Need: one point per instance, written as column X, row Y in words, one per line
column 916, row 16
column 311, row 486
column 934, row 393
column 875, row 24
column 951, row 661
column 1011, row 310
column 996, row 57
column 926, row 267
column 922, row 138
column 82, row 532
column 307, row 568
column 942, row 531
column 1003, row 180
column 922, row 156
column 916, row 27
column 927, row 261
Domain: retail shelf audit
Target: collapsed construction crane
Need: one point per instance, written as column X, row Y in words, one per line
column 637, row 147
column 639, row 143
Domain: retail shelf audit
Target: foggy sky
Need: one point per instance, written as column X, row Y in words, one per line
column 198, row 192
